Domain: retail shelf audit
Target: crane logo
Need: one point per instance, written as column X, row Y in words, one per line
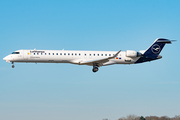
column 156, row 49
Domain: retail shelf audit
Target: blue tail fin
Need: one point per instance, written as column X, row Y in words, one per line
column 154, row 50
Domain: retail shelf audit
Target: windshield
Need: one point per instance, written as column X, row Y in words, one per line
column 15, row 53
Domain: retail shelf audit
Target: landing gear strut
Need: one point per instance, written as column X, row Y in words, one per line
column 13, row 65
column 95, row 69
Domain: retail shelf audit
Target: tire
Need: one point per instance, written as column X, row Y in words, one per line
column 95, row 69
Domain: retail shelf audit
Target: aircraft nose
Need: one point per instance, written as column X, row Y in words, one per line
column 5, row 58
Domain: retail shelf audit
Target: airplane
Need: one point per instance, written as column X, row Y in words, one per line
column 90, row 58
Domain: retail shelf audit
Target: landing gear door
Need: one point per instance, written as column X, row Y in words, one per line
column 26, row 54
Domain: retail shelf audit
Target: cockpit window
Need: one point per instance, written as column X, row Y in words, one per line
column 15, row 53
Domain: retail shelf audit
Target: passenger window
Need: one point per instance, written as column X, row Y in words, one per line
column 56, row 53
column 53, row 53
column 34, row 53
column 60, row 53
column 49, row 54
column 79, row 54
column 37, row 53
column 97, row 54
column 101, row 54
column 68, row 53
column 75, row 54
column 84, row 54
column 45, row 53
column 109, row 54
column 41, row 53
column 72, row 53
column 105, row 54
column 64, row 53
column 94, row 54
column 89, row 54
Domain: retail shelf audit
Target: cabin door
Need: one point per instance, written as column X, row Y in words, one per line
column 26, row 54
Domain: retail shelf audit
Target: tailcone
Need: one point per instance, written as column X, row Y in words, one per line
column 159, row 57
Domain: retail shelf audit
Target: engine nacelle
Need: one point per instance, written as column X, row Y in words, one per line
column 132, row 53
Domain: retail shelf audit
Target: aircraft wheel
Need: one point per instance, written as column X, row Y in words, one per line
column 95, row 69
column 13, row 66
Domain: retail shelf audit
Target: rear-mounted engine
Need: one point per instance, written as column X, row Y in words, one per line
column 132, row 53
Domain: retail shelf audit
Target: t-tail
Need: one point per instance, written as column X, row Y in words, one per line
column 152, row 53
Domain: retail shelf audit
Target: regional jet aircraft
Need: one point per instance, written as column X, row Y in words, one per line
column 91, row 58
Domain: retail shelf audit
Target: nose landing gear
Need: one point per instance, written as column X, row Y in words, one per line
column 13, row 65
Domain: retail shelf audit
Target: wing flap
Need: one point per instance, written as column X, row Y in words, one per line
column 95, row 61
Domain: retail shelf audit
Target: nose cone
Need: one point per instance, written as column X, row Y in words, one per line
column 5, row 58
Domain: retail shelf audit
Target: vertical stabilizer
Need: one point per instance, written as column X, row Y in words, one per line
column 152, row 53
column 155, row 49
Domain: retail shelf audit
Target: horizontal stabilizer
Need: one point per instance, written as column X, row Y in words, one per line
column 162, row 40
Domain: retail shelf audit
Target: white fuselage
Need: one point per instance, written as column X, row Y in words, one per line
column 91, row 58
column 68, row 56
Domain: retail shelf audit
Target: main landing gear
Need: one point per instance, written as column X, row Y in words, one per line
column 13, row 65
column 95, row 69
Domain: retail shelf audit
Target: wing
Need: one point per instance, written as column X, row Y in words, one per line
column 99, row 62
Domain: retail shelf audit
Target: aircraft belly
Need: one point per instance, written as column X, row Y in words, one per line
column 42, row 60
column 126, row 60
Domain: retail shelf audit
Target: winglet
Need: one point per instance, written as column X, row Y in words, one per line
column 115, row 55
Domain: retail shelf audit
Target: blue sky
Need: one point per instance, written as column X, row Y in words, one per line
column 65, row 91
